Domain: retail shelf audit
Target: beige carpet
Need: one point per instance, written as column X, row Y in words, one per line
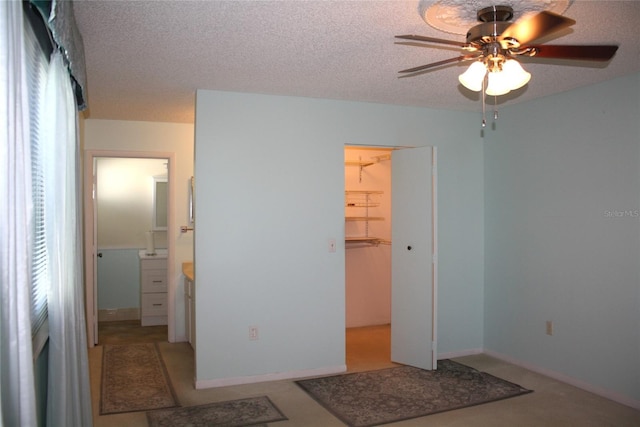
column 253, row 411
column 134, row 378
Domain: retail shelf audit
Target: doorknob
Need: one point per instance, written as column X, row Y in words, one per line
column 100, row 254
column 409, row 248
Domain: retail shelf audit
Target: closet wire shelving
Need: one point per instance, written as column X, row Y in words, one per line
column 362, row 201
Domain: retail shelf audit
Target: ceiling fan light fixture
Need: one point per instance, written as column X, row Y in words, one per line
column 497, row 84
column 515, row 75
column 495, row 43
column 474, row 76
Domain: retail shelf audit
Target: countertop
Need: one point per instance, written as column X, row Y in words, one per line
column 187, row 270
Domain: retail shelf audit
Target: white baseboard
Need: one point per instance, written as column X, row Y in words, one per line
column 462, row 353
column 223, row 382
column 603, row 392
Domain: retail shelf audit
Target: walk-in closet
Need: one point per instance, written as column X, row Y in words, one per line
column 368, row 239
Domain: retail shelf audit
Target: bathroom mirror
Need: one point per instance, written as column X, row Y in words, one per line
column 160, row 199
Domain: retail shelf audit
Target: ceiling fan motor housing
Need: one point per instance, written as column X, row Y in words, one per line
column 494, row 21
column 495, row 13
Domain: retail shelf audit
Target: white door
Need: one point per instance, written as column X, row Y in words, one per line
column 95, row 253
column 413, row 257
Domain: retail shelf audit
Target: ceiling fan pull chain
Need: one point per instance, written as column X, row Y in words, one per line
column 484, row 95
column 495, row 110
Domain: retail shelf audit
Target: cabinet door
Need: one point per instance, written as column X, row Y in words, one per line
column 187, row 308
column 192, row 337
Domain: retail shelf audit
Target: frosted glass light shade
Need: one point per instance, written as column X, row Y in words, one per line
column 515, row 75
column 497, row 85
column 473, row 77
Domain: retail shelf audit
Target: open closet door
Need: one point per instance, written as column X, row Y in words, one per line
column 413, row 257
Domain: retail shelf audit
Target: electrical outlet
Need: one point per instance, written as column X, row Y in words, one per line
column 549, row 327
column 253, row 333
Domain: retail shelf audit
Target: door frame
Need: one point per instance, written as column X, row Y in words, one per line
column 90, row 249
column 434, row 235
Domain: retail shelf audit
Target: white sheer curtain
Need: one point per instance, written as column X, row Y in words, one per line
column 17, row 395
column 69, row 395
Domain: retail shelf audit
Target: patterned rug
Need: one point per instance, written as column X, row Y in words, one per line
column 254, row 411
column 134, row 378
column 372, row 398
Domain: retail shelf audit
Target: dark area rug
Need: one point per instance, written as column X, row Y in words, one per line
column 254, row 411
column 134, row 378
column 365, row 399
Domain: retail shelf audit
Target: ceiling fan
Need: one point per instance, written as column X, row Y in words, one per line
column 495, row 43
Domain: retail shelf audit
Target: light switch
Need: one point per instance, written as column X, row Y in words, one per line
column 332, row 245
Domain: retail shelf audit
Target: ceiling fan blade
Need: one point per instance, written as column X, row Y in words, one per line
column 539, row 25
column 432, row 40
column 438, row 63
column 589, row 53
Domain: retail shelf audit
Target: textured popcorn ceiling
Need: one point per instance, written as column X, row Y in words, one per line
column 145, row 59
column 457, row 16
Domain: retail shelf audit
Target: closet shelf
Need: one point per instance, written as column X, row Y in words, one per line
column 365, row 163
column 364, row 218
column 362, row 205
column 363, row 192
column 360, row 199
column 361, row 164
column 374, row 241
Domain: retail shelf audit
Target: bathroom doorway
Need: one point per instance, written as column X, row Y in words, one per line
column 127, row 217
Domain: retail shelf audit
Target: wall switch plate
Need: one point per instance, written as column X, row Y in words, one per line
column 332, row 245
column 549, row 327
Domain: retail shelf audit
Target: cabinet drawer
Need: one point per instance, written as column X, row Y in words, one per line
column 154, row 304
column 154, row 281
column 153, row 264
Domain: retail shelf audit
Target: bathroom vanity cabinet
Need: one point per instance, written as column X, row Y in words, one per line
column 189, row 303
column 153, row 289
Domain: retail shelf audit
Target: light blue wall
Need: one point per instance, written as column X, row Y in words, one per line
column 562, row 233
column 118, row 278
column 269, row 194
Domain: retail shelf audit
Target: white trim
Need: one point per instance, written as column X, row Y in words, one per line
column 434, row 250
column 223, row 382
column 461, row 353
column 600, row 391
